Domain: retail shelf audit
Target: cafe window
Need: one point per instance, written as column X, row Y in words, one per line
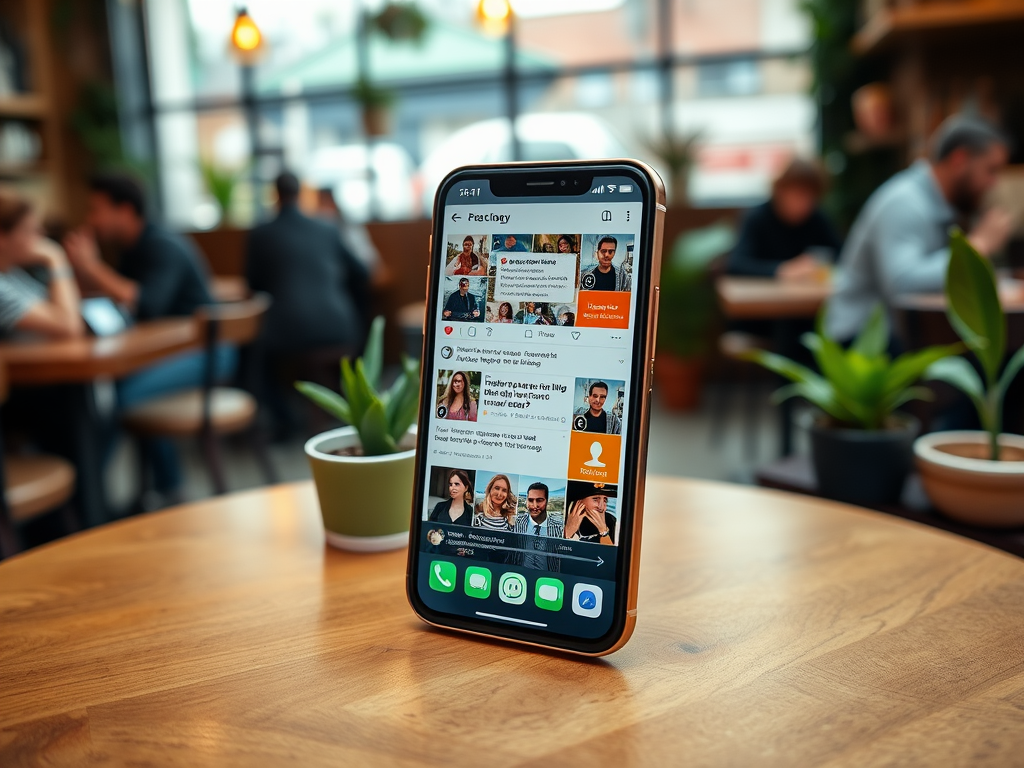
column 613, row 68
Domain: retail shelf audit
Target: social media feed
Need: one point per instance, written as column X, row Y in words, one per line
column 526, row 452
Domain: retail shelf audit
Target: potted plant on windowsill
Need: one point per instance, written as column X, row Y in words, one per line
column 861, row 447
column 376, row 103
column 687, row 314
column 364, row 472
column 975, row 476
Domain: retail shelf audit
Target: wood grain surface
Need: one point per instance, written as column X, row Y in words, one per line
column 773, row 630
column 39, row 361
column 765, row 298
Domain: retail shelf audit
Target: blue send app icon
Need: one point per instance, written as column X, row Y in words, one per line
column 587, row 600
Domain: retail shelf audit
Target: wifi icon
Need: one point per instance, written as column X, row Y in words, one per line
column 611, row 187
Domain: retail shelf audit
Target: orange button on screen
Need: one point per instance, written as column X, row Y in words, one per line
column 594, row 457
column 602, row 309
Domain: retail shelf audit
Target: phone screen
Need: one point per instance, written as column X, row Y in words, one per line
column 531, row 387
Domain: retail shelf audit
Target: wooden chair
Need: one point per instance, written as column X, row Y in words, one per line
column 33, row 486
column 210, row 412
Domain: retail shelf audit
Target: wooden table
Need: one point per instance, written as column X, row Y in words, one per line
column 73, row 365
column 773, row 629
column 765, row 298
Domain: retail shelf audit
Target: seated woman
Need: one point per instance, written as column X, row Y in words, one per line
column 498, row 508
column 49, row 307
column 467, row 262
column 504, row 313
column 458, row 399
column 458, row 508
column 788, row 236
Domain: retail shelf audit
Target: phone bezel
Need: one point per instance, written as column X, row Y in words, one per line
column 637, row 390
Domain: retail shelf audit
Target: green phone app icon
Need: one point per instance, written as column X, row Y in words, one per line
column 549, row 594
column 478, row 582
column 442, row 576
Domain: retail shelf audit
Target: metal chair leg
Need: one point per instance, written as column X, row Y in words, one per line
column 214, row 461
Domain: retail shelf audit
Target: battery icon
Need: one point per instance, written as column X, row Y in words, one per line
column 625, row 187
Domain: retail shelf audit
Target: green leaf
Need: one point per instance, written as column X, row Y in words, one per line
column 873, row 340
column 957, row 371
column 816, row 394
column 354, row 390
column 373, row 432
column 910, row 366
column 373, row 355
column 905, row 396
column 1010, row 371
column 973, row 307
column 781, row 365
column 327, row 399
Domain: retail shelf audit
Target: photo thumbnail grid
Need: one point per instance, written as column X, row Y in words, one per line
column 539, row 279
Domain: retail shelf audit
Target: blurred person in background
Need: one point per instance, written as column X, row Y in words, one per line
column 354, row 236
column 899, row 243
column 788, row 236
column 49, row 306
column 321, row 299
column 157, row 274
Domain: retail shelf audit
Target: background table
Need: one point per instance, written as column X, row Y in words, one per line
column 765, row 298
column 773, row 629
column 73, row 365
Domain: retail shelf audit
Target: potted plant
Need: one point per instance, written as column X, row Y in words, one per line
column 401, row 22
column 364, row 472
column 221, row 183
column 975, row 476
column 687, row 314
column 376, row 103
column 861, row 448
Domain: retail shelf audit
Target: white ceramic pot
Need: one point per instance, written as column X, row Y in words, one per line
column 975, row 491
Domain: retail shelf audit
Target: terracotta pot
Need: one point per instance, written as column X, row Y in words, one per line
column 376, row 121
column 861, row 466
column 972, row 490
column 679, row 381
column 365, row 501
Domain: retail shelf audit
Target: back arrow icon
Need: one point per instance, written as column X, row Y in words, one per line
column 455, row 217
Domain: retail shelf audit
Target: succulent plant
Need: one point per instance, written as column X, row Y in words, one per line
column 380, row 417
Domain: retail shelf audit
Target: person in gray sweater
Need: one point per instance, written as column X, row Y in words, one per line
column 899, row 243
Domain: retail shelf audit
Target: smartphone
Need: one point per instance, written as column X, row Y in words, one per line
column 538, row 358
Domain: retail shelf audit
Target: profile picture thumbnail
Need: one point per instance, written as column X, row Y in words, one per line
column 597, row 405
column 511, row 243
column 497, row 499
column 467, row 255
column 458, row 393
column 541, row 504
column 606, row 263
column 450, row 496
column 534, row 313
column 500, row 312
column 465, row 299
column 590, row 513
column 556, row 243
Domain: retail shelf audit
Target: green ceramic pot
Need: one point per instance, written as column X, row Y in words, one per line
column 364, row 500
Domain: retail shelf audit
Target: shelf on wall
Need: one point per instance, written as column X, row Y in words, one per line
column 888, row 26
column 26, row 106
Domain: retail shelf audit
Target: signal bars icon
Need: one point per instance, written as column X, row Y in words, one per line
column 599, row 190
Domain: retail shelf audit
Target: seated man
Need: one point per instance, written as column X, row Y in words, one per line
column 158, row 274
column 462, row 305
column 899, row 243
column 322, row 299
column 787, row 236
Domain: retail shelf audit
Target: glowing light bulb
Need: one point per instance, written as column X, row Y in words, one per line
column 246, row 36
column 494, row 10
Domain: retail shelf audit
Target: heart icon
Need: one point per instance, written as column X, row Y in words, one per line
column 575, row 335
column 504, row 261
column 448, row 330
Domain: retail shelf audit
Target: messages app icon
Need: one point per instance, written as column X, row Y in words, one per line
column 512, row 588
column 549, row 594
column 478, row 582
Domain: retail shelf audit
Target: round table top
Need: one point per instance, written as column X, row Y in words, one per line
column 764, row 298
column 42, row 361
column 773, row 629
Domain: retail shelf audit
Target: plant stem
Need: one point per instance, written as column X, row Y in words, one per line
column 992, row 421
